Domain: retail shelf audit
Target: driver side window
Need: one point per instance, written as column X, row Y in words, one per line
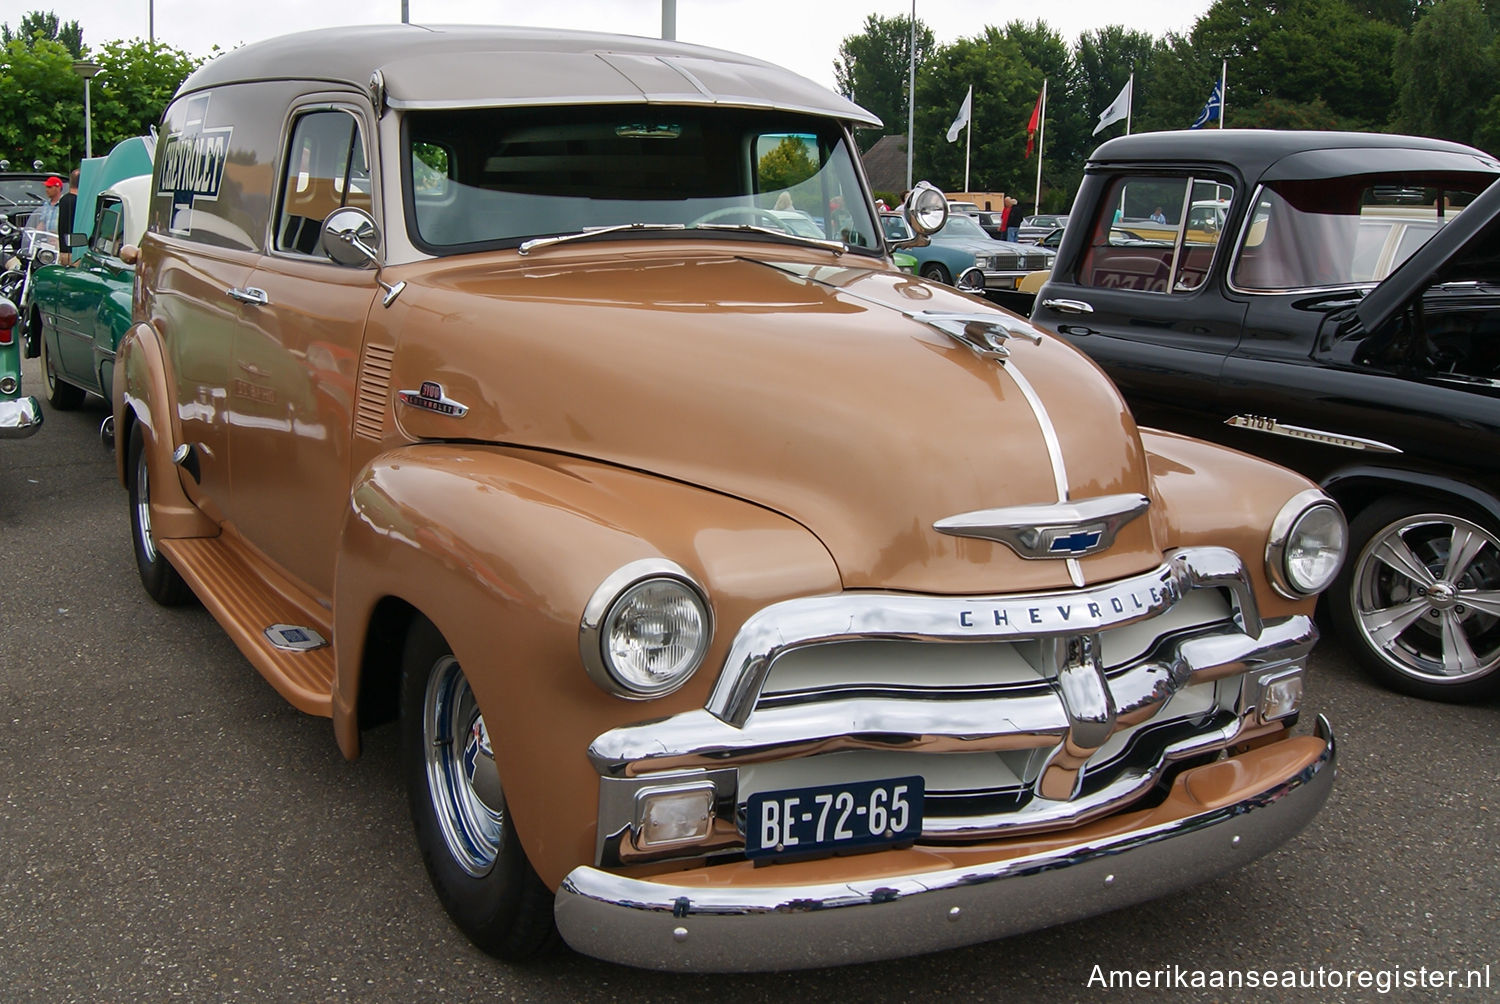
column 325, row 170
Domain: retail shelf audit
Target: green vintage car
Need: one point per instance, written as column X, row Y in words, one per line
column 19, row 416
column 85, row 307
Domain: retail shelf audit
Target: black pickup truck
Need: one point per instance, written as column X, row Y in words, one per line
column 1340, row 315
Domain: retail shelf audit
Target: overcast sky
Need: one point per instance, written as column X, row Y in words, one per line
column 802, row 35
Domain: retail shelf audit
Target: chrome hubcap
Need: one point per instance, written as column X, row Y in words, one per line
column 1427, row 597
column 143, row 507
column 462, row 779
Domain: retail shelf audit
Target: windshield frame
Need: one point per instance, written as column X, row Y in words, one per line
column 837, row 172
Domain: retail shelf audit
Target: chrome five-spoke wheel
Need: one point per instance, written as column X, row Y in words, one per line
column 1423, row 596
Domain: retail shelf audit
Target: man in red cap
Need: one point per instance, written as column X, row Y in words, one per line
column 44, row 217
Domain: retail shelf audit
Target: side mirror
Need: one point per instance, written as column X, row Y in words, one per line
column 75, row 241
column 926, row 211
column 351, row 237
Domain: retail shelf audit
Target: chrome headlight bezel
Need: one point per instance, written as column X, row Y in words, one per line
column 1292, row 525
column 600, row 614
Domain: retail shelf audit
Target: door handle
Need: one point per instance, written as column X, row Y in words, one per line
column 1069, row 306
column 250, row 295
column 1076, row 330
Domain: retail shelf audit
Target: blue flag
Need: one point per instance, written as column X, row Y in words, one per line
column 1212, row 109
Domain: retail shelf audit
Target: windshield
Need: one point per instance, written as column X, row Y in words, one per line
column 499, row 176
column 21, row 191
column 1344, row 231
column 963, row 226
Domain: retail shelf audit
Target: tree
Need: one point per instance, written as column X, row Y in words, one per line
column 785, row 165
column 37, row 25
column 1005, row 90
column 41, row 104
column 1446, row 68
column 873, row 69
column 136, row 81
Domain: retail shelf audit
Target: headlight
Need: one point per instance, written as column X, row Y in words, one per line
column 971, row 280
column 1307, row 544
column 45, row 256
column 645, row 630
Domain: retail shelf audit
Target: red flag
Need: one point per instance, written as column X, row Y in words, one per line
column 1036, row 118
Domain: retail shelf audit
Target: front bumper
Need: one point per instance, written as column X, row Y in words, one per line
column 19, row 418
column 1216, row 818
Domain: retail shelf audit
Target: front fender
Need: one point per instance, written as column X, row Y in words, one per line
column 502, row 549
column 141, row 394
column 1215, row 496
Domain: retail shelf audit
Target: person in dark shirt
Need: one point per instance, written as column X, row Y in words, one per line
column 65, row 209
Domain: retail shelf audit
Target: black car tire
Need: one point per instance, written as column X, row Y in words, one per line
column 60, row 394
column 936, row 272
column 163, row 583
column 1418, row 621
column 463, row 826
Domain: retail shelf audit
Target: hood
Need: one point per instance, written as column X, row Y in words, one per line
column 1465, row 250
column 806, row 387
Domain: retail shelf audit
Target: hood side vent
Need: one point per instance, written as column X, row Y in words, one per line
column 374, row 395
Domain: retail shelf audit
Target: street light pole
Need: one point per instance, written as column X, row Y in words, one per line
column 87, row 71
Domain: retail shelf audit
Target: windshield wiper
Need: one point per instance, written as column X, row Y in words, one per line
column 526, row 247
column 837, row 247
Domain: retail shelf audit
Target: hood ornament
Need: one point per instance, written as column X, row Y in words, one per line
column 983, row 334
column 1050, row 529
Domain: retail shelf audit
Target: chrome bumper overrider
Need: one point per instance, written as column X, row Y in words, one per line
column 19, row 418
column 656, row 923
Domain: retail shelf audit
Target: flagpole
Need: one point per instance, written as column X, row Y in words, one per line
column 1130, row 102
column 968, row 138
column 1041, row 145
column 911, row 95
column 1223, row 91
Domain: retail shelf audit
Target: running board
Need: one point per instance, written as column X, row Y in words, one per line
column 233, row 585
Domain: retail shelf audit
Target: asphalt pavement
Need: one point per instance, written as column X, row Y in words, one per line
column 172, row 829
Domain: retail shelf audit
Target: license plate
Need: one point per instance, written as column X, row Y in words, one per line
column 831, row 818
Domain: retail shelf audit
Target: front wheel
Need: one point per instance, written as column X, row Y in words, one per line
column 1420, row 599
column 464, row 829
column 936, row 272
column 60, row 394
column 161, row 580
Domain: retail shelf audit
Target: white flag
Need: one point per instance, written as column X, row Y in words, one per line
column 1119, row 108
column 963, row 116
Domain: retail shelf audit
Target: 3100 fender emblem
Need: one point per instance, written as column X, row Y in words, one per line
column 431, row 398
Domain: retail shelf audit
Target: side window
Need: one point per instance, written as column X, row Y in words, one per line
column 1157, row 234
column 325, row 170
column 109, row 224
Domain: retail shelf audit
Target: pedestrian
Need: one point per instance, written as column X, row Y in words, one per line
column 1158, row 216
column 1012, row 221
column 66, row 207
column 44, row 217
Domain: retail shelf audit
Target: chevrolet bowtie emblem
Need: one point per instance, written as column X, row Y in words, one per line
column 1050, row 529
